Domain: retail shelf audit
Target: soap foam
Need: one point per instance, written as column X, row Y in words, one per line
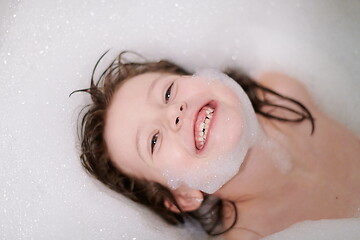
column 348, row 229
column 210, row 175
column 37, row 145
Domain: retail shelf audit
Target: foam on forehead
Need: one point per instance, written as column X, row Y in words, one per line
column 211, row 174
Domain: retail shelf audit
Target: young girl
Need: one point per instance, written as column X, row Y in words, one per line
column 246, row 159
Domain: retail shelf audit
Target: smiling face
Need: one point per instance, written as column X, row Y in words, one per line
column 178, row 130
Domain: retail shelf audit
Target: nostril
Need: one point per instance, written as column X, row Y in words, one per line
column 177, row 120
column 181, row 108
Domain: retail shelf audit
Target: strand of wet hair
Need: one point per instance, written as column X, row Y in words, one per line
column 215, row 210
column 231, row 226
column 302, row 117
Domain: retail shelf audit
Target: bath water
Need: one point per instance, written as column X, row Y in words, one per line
column 49, row 48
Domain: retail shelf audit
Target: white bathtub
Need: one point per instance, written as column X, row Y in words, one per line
column 48, row 49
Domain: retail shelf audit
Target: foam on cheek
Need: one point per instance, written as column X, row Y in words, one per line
column 211, row 174
column 251, row 128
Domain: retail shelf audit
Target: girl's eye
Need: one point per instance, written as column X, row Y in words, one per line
column 168, row 93
column 153, row 142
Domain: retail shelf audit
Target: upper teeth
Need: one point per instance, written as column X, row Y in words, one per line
column 204, row 126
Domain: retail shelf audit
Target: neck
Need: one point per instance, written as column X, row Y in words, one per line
column 267, row 168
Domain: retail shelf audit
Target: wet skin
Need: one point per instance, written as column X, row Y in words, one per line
column 323, row 182
column 324, row 167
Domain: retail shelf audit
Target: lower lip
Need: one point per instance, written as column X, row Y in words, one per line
column 213, row 105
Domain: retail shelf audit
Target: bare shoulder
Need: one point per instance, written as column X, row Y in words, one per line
column 243, row 234
column 287, row 86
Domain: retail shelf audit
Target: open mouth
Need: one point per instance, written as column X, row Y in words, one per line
column 202, row 125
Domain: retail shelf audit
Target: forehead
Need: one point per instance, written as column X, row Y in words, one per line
column 138, row 84
column 123, row 117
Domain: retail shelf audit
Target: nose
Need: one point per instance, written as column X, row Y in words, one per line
column 175, row 115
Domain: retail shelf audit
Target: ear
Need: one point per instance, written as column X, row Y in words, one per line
column 187, row 198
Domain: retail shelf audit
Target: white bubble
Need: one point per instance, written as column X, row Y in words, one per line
column 348, row 229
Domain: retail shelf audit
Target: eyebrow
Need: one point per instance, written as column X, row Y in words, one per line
column 138, row 148
column 154, row 83
column 139, row 130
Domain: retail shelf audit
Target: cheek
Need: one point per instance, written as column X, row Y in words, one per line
column 172, row 156
column 227, row 95
column 193, row 89
column 228, row 129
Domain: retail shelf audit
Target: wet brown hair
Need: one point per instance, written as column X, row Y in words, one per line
column 95, row 157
